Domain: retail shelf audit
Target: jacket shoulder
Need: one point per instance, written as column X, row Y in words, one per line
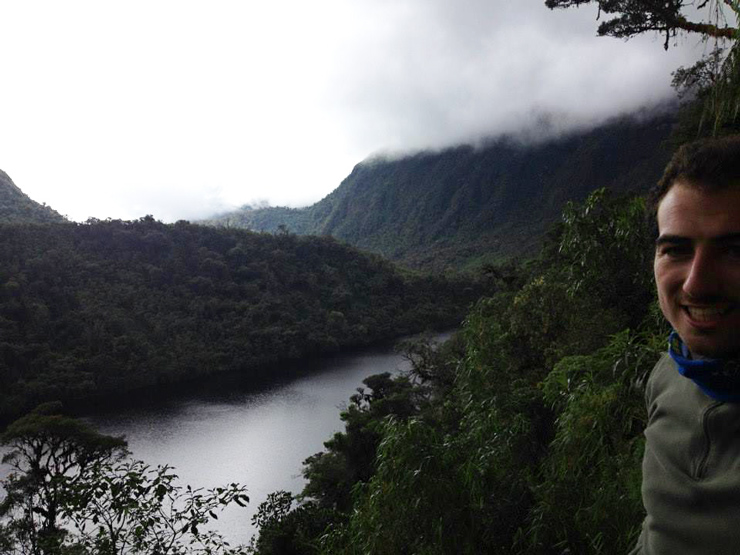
column 660, row 378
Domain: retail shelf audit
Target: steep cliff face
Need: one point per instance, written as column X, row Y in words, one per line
column 465, row 204
column 17, row 207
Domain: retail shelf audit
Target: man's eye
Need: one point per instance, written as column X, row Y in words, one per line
column 674, row 251
column 733, row 251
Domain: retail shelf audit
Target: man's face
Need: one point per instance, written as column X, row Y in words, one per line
column 697, row 267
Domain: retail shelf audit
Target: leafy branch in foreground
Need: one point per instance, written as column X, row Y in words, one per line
column 130, row 507
column 49, row 454
column 75, row 491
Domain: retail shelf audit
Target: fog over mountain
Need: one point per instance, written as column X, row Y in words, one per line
column 181, row 110
column 465, row 206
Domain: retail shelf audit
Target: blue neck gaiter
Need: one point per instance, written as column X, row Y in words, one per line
column 717, row 378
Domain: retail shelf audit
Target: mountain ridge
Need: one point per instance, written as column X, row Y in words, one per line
column 18, row 207
column 464, row 205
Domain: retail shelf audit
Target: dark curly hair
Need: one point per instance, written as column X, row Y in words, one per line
column 707, row 164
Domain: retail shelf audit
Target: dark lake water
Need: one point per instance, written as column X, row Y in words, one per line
column 235, row 430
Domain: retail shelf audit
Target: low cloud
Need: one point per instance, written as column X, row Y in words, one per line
column 210, row 107
column 440, row 74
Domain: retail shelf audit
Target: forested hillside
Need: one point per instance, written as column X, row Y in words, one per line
column 17, row 207
column 109, row 306
column 465, row 205
column 522, row 435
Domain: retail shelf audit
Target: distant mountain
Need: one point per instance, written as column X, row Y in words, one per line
column 466, row 205
column 17, row 207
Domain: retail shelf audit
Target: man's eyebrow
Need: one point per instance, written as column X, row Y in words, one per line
column 728, row 238
column 680, row 239
column 673, row 239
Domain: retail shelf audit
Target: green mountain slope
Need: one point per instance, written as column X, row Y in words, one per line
column 106, row 307
column 17, row 207
column 465, row 204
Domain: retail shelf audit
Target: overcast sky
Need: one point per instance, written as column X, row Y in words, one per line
column 179, row 108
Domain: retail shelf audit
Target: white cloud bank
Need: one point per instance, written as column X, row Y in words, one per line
column 182, row 108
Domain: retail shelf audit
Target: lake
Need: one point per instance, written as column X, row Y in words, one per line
column 231, row 429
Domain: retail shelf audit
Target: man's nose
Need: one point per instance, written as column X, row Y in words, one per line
column 701, row 280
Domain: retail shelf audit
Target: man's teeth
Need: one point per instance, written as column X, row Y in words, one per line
column 705, row 314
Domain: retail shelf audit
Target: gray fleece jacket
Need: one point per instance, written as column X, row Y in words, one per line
column 691, row 469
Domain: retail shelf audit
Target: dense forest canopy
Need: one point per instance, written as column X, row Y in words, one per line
column 109, row 306
column 522, row 435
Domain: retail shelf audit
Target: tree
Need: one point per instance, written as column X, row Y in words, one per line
column 75, row 491
column 129, row 507
column 289, row 531
column 49, row 454
column 712, row 19
column 667, row 17
column 605, row 249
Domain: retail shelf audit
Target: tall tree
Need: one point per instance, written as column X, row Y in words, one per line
column 48, row 453
column 73, row 491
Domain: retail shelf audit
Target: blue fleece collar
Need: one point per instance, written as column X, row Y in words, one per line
column 717, row 378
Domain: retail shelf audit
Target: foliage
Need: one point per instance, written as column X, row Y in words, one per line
column 706, row 90
column 660, row 16
column 525, row 436
column 111, row 306
column 129, row 507
column 285, row 530
column 350, row 455
column 597, row 442
column 49, row 454
column 606, row 246
column 73, row 491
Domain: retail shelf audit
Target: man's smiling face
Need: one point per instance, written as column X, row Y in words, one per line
column 697, row 267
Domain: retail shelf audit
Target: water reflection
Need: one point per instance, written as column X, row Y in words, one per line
column 254, row 430
column 228, row 432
